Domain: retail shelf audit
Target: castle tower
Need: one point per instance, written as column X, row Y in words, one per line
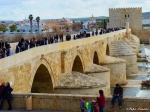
column 119, row 16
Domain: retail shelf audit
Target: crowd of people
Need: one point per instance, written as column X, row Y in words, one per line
column 100, row 102
column 5, row 49
column 25, row 44
column 5, row 94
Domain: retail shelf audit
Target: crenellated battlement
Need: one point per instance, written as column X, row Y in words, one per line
column 119, row 16
column 130, row 8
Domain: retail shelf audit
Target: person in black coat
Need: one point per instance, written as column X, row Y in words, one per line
column 2, row 95
column 17, row 49
column 8, row 95
column 118, row 93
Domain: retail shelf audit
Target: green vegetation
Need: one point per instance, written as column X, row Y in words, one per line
column 31, row 18
column 13, row 28
column 3, row 28
column 38, row 21
column 142, row 60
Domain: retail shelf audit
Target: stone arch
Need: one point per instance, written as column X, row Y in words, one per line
column 95, row 58
column 42, row 81
column 107, row 50
column 78, row 64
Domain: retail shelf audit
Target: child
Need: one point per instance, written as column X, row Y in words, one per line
column 82, row 104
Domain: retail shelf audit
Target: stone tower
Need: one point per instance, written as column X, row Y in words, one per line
column 119, row 16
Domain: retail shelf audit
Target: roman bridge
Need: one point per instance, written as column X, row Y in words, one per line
column 78, row 66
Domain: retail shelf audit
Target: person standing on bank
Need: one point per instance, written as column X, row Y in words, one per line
column 8, row 95
column 101, row 101
column 82, row 104
column 2, row 95
column 118, row 93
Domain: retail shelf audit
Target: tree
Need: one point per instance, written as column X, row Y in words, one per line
column 31, row 19
column 38, row 21
column 76, row 26
column 13, row 27
column 3, row 28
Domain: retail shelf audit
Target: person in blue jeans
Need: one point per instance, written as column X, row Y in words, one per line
column 82, row 105
column 118, row 93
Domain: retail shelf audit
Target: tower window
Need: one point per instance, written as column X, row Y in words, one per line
column 125, row 15
column 128, row 15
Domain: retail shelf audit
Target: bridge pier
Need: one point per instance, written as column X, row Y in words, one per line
column 117, row 69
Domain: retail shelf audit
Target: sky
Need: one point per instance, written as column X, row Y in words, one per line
column 54, row 9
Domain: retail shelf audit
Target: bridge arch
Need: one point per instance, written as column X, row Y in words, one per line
column 77, row 64
column 107, row 50
column 95, row 58
column 42, row 80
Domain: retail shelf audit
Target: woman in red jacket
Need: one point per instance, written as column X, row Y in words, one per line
column 101, row 101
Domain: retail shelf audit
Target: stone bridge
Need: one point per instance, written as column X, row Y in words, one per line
column 80, row 66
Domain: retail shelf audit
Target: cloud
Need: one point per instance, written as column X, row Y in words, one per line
column 19, row 9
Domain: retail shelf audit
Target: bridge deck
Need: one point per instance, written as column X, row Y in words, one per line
column 37, row 51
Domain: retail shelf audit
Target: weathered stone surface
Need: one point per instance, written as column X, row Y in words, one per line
column 143, row 35
column 120, row 48
column 131, row 64
column 79, row 80
column 70, row 103
column 21, row 69
column 125, row 50
column 93, row 68
column 111, row 60
column 117, row 68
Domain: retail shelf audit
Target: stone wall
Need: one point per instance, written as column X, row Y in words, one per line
column 21, row 69
column 131, row 64
column 117, row 72
column 144, row 35
column 70, row 103
column 119, row 16
column 103, row 76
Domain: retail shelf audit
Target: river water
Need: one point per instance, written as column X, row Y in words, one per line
column 133, row 87
column 146, row 66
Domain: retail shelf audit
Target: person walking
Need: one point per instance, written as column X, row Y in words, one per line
column 2, row 95
column 101, row 101
column 118, row 93
column 8, row 95
column 82, row 104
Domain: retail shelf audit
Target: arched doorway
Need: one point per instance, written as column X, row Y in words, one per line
column 42, row 82
column 77, row 65
column 107, row 50
column 95, row 58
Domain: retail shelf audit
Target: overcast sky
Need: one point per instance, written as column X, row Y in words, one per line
column 51, row 9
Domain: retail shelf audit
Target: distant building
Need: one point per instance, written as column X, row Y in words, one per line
column 119, row 16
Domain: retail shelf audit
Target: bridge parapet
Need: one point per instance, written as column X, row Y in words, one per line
column 24, row 70
column 70, row 103
column 31, row 53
